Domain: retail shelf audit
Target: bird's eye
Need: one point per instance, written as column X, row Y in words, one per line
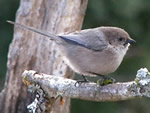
column 121, row 39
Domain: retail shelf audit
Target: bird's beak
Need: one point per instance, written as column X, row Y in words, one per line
column 130, row 41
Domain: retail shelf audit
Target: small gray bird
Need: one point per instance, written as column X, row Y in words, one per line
column 91, row 52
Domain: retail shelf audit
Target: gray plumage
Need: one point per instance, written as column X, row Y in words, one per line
column 99, row 50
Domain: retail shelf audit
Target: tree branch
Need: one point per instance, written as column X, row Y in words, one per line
column 55, row 86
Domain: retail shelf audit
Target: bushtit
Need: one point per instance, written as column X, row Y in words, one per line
column 90, row 52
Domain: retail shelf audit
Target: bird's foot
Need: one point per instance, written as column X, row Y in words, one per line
column 105, row 80
column 85, row 80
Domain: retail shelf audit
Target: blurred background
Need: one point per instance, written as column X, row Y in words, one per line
column 131, row 15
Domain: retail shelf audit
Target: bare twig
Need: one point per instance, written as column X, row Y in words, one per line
column 55, row 86
column 48, row 88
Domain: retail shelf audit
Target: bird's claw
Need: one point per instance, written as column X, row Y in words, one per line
column 80, row 82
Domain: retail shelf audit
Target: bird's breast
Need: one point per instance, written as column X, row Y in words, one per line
column 83, row 61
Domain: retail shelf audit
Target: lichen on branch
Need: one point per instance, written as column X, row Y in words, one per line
column 55, row 86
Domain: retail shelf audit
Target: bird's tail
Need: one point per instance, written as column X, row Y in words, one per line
column 50, row 35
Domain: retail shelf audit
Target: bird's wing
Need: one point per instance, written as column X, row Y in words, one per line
column 91, row 39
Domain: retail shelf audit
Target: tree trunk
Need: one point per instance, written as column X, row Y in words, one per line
column 32, row 51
